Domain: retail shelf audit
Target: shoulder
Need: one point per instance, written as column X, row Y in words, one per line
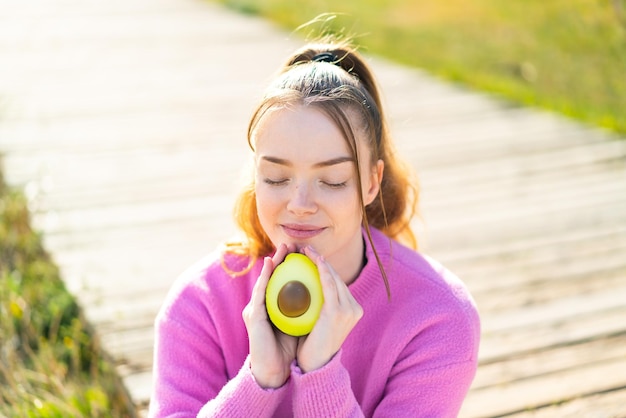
column 421, row 272
column 423, row 291
column 416, row 272
column 425, row 279
column 212, row 277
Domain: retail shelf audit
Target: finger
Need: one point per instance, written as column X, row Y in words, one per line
column 346, row 298
column 317, row 257
column 310, row 252
column 280, row 254
column 258, row 291
column 327, row 276
column 255, row 309
column 335, row 287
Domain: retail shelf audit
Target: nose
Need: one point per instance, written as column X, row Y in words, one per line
column 302, row 200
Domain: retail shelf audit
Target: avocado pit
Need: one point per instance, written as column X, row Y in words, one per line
column 294, row 299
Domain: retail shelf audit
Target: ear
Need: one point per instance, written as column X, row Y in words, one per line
column 374, row 181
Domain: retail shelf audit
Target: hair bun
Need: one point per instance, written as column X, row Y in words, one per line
column 326, row 56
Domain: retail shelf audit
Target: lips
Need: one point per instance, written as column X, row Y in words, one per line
column 301, row 231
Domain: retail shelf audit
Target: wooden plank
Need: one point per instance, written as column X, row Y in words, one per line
column 520, row 166
column 159, row 187
column 546, row 291
column 478, row 149
column 132, row 347
column 440, row 234
column 485, row 132
column 557, row 311
column 545, row 390
column 203, row 232
column 121, row 133
column 602, row 405
column 566, row 200
column 139, row 385
column 543, row 247
column 566, row 267
column 571, row 329
column 125, row 311
column 128, row 215
column 551, row 360
column 544, row 188
column 537, row 365
column 515, row 188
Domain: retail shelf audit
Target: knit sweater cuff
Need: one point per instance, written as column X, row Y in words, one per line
column 323, row 392
column 243, row 397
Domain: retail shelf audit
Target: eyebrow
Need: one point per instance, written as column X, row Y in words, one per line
column 326, row 163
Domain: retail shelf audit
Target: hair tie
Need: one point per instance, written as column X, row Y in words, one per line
column 328, row 57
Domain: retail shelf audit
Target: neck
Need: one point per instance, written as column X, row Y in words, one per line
column 349, row 262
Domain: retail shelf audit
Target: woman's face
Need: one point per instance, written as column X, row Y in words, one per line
column 307, row 188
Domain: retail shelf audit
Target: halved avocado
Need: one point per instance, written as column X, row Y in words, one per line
column 294, row 297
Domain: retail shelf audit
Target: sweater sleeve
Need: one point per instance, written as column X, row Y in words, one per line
column 325, row 392
column 243, row 397
column 189, row 373
column 411, row 391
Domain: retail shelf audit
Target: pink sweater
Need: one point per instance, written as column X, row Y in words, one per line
column 413, row 356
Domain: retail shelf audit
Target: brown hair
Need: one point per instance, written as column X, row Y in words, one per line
column 335, row 79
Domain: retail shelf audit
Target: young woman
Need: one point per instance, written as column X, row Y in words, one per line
column 397, row 335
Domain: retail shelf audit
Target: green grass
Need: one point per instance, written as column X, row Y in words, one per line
column 567, row 56
column 51, row 365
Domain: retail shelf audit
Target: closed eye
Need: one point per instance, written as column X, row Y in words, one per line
column 275, row 182
column 336, row 185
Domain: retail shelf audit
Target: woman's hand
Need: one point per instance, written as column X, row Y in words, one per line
column 340, row 313
column 271, row 351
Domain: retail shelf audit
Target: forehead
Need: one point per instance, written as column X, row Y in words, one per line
column 299, row 127
column 304, row 130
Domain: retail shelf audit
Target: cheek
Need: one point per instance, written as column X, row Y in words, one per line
column 267, row 201
column 344, row 205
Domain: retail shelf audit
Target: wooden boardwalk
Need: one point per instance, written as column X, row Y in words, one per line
column 124, row 122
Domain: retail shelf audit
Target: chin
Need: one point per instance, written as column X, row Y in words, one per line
column 316, row 242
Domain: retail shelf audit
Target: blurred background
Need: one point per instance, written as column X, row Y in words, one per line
column 122, row 149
